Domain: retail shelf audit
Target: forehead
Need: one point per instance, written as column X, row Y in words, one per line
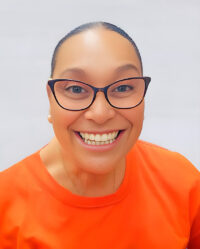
column 96, row 49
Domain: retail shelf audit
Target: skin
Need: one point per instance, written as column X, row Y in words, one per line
column 97, row 57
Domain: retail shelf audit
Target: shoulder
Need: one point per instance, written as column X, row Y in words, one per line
column 17, row 168
column 18, row 190
column 158, row 154
column 16, row 177
column 165, row 163
column 174, row 178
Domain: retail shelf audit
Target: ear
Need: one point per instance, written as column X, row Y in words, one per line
column 49, row 117
column 48, row 91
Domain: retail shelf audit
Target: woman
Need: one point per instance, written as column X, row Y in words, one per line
column 95, row 185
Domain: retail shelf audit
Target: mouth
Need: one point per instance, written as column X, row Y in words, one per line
column 99, row 138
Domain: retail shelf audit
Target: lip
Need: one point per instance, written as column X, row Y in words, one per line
column 103, row 147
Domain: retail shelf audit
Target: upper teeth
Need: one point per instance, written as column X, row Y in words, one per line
column 99, row 137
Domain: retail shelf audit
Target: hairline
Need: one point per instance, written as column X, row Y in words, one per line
column 89, row 26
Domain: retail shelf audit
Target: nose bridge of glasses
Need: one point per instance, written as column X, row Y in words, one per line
column 101, row 89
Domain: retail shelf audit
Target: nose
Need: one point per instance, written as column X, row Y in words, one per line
column 100, row 111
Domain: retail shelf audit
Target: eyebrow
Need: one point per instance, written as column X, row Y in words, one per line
column 126, row 67
column 76, row 70
column 119, row 69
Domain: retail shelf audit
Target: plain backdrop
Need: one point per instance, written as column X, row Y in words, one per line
column 167, row 33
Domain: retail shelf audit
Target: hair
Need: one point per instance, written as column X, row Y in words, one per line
column 88, row 26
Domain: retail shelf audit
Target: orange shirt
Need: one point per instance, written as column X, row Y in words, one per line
column 157, row 206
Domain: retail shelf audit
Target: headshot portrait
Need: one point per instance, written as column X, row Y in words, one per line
column 96, row 161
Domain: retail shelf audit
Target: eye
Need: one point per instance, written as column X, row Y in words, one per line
column 75, row 89
column 123, row 88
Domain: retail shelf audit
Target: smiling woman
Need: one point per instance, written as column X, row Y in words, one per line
column 95, row 185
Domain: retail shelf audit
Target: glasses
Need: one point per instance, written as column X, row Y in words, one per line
column 75, row 95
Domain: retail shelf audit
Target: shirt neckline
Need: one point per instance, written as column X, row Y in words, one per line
column 65, row 196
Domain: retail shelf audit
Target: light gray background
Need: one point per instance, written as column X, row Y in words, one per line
column 167, row 34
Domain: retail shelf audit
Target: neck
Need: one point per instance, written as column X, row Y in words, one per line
column 75, row 179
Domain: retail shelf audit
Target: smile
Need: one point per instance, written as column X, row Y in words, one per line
column 99, row 139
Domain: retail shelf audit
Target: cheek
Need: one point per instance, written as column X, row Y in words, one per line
column 135, row 117
column 62, row 119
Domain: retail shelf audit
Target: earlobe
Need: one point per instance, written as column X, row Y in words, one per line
column 49, row 118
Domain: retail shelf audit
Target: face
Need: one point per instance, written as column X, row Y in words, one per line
column 97, row 57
